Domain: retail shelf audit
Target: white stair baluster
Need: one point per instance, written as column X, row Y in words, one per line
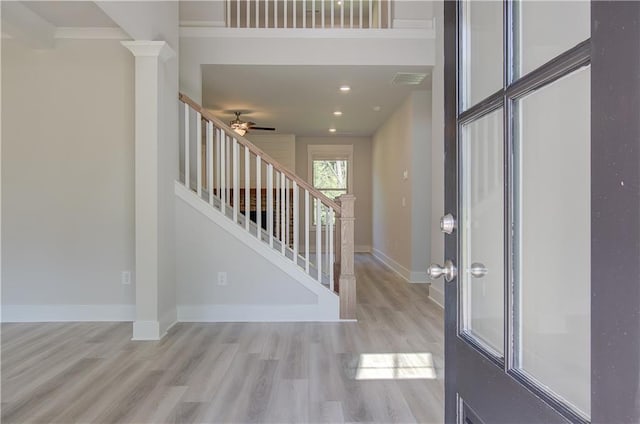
column 199, row 154
column 306, row 230
column 322, row 12
column 247, row 187
column 275, row 13
column 313, row 14
column 236, row 180
column 210, row 161
column 228, row 168
column 266, row 13
column 287, row 219
column 295, row 17
column 283, row 207
column 277, row 194
column 350, row 13
column 370, row 13
column 223, row 172
column 296, row 230
column 326, row 239
column 257, row 13
column 332, row 259
column 229, row 23
column 237, row 13
column 218, row 163
column 186, row 147
column 259, row 197
column 379, row 14
column 318, row 213
column 332, row 13
column 270, row 203
column 360, row 14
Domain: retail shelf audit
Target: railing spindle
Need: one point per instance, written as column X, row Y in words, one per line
column 313, row 13
column 270, row 203
column 332, row 13
column 318, row 238
column 295, row 16
column 199, row 154
column 286, row 17
column 283, row 207
column 331, row 256
column 259, row 196
column 247, row 186
column 275, row 13
column 218, row 163
column 370, row 13
column 277, row 208
column 237, row 13
column 287, row 232
column 304, row 13
column 342, row 14
column 360, row 14
column 257, row 13
column 379, row 13
column 223, row 172
column 229, row 23
column 227, row 177
column 187, row 178
column 306, row 230
column 350, row 13
column 388, row 13
column 210, row 160
column 296, row 230
column 236, row 181
column 248, row 16
column 266, row 13
column 326, row 239
column 322, row 12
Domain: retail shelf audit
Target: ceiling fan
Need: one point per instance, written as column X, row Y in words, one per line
column 242, row 127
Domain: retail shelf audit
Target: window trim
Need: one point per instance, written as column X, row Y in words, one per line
column 331, row 152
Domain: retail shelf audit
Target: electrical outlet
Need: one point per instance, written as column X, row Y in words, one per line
column 125, row 277
column 222, row 279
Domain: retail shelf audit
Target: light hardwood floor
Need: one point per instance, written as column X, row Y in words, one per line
column 237, row 372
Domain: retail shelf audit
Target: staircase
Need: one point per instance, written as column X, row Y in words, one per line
column 269, row 208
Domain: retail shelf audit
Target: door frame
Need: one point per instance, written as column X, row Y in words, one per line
column 615, row 222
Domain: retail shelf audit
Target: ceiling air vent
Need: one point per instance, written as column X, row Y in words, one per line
column 408, row 78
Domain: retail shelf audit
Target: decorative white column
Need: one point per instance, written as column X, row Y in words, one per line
column 149, row 57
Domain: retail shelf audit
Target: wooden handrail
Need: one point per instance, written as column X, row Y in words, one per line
column 257, row 151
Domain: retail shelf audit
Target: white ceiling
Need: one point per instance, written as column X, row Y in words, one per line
column 71, row 13
column 301, row 99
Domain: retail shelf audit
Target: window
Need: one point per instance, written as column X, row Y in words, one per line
column 330, row 171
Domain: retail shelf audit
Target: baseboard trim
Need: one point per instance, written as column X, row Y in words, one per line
column 362, row 248
column 436, row 295
column 255, row 313
column 67, row 313
column 414, row 277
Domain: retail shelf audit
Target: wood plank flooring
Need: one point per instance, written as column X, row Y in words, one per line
column 237, row 372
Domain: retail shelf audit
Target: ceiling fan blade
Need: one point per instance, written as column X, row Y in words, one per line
column 262, row 128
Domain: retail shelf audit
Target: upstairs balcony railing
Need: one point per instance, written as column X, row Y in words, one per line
column 315, row 14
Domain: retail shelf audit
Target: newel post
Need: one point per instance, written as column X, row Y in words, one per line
column 347, row 281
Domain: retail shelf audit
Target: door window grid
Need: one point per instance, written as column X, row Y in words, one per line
column 514, row 87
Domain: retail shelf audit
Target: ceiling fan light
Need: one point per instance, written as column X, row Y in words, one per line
column 240, row 131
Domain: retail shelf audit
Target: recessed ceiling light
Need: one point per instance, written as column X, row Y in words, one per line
column 339, row 3
column 332, row 130
column 337, row 113
column 376, row 108
column 345, row 88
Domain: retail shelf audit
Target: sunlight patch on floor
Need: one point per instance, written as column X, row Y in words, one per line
column 395, row 366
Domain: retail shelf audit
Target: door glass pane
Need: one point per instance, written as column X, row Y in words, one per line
column 549, row 28
column 482, row 50
column 553, row 257
column 481, row 229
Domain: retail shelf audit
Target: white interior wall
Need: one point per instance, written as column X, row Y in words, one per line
column 436, row 290
column 67, row 181
column 396, row 198
column 260, row 292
